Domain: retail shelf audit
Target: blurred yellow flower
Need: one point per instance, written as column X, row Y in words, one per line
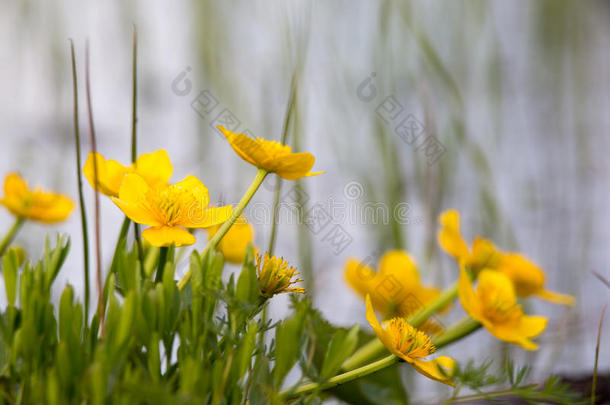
column 411, row 345
column 34, row 204
column 528, row 279
column 483, row 254
column 396, row 289
column 275, row 277
column 155, row 168
column 494, row 304
column 271, row 156
column 233, row 245
column 168, row 209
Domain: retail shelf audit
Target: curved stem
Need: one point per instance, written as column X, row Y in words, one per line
column 455, row 332
column 342, row 378
column 8, row 238
column 81, row 198
column 375, row 347
column 256, row 183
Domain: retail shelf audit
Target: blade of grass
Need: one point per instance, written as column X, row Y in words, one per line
column 96, row 197
column 278, row 184
column 134, row 139
column 599, row 337
column 81, row 199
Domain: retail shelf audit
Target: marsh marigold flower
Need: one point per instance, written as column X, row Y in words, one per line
column 494, row 305
column 34, row 204
column 155, row 168
column 233, row 245
column 168, row 209
column 483, row 253
column 275, row 276
column 411, row 345
column 528, row 279
column 396, row 289
column 271, row 156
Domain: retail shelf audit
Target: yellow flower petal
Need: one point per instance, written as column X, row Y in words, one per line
column 208, row 217
column 165, row 236
column 235, row 242
column 449, row 236
column 484, row 255
column 110, row 174
column 156, row 167
column 271, row 156
column 133, row 201
column 467, row 296
column 556, row 298
column 359, row 276
column 245, row 147
column 295, row 166
column 400, row 264
column 521, row 331
column 439, row 369
column 377, row 329
column 14, row 185
column 37, row 205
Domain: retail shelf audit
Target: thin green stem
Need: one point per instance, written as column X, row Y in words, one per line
column 278, row 184
column 375, row 347
column 134, row 96
column 460, row 329
column 342, row 378
column 96, row 198
column 599, row 336
column 456, row 332
column 163, row 251
column 122, row 236
column 81, row 199
column 256, row 183
column 8, row 238
column 134, row 139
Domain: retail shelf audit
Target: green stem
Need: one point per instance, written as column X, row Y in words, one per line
column 8, row 238
column 163, row 251
column 81, row 199
column 460, row 329
column 122, row 236
column 455, row 332
column 256, row 183
column 375, row 347
column 342, row 378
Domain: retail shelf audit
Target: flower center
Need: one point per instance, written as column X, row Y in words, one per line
column 408, row 340
column 274, row 148
column 167, row 203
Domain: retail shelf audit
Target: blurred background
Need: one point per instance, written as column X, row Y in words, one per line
column 497, row 109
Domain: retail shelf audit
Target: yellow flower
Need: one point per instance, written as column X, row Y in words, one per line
column 275, row 277
column 168, row 209
column 528, row 279
column 271, row 156
column 411, row 345
column 483, row 254
column 396, row 289
column 494, row 304
column 233, row 245
column 37, row 204
column 155, row 168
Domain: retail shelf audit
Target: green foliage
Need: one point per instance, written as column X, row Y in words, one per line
column 205, row 344
column 512, row 382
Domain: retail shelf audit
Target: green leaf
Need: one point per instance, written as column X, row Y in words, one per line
column 10, row 266
column 247, row 286
column 287, row 346
column 342, row 345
